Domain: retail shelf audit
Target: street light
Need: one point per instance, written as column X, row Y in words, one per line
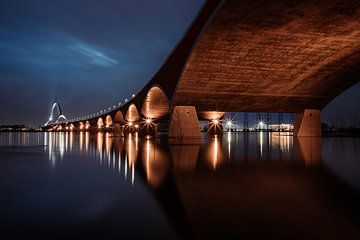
column 215, row 121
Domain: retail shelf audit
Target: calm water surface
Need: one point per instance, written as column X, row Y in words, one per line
column 252, row 185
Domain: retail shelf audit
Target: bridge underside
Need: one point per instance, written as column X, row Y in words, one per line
column 273, row 56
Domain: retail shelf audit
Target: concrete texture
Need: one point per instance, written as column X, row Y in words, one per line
column 184, row 123
column 156, row 104
column 132, row 115
column 273, row 56
column 308, row 124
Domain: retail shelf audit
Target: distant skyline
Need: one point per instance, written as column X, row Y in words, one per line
column 90, row 55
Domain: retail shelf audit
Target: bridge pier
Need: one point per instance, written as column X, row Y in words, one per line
column 184, row 123
column 118, row 130
column 308, row 123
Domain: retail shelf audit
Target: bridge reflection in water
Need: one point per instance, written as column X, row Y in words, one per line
column 252, row 185
column 261, row 177
column 156, row 154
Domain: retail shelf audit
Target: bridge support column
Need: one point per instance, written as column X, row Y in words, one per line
column 308, row 123
column 118, row 130
column 184, row 123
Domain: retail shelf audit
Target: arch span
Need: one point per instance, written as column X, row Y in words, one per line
column 71, row 127
column 210, row 115
column 108, row 121
column 100, row 123
column 87, row 125
column 119, row 117
column 156, row 104
column 55, row 118
column 132, row 114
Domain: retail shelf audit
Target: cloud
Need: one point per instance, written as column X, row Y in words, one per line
column 94, row 56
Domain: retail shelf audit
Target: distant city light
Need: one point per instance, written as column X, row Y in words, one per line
column 229, row 123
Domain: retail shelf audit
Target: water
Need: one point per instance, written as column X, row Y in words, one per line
column 252, row 185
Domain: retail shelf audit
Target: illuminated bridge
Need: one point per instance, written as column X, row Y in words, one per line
column 56, row 115
column 241, row 56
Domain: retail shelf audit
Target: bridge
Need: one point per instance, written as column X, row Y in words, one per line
column 241, row 56
column 59, row 117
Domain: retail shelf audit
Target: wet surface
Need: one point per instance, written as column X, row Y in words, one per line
column 251, row 185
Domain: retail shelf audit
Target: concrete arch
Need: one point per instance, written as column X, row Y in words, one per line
column 118, row 120
column 119, row 117
column 100, row 123
column 156, row 104
column 132, row 114
column 108, row 121
column 87, row 125
column 210, row 115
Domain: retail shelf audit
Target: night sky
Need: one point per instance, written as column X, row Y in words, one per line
column 89, row 55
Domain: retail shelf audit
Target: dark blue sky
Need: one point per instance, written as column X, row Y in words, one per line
column 89, row 55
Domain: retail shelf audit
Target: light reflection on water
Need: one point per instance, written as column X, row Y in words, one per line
column 185, row 174
column 156, row 155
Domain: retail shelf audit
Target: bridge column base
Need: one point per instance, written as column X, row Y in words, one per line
column 308, row 123
column 184, row 123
